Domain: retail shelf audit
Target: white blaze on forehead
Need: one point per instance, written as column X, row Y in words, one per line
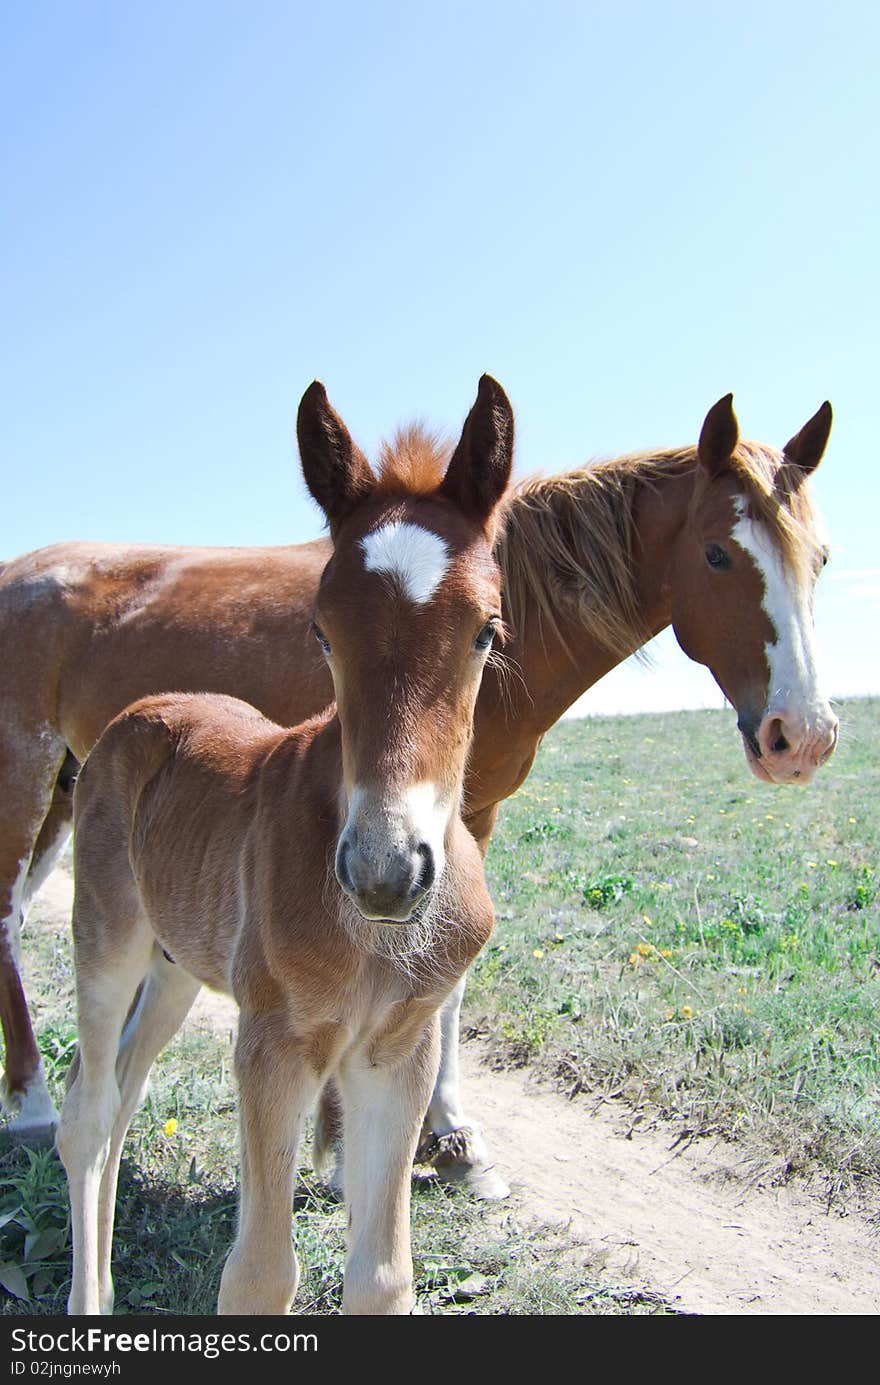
column 794, row 680
column 417, row 558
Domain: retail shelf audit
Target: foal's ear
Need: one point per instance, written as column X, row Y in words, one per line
column 806, row 448
column 718, row 436
column 335, row 470
column 479, row 471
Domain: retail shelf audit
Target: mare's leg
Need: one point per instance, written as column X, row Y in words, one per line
column 383, row 1104
column 277, row 1087
column 55, row 831
column 30, row 760
column 451, row 1141
column 114, row 944
column 164, row 1001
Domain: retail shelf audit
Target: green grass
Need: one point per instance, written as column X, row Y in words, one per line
column 177, row 1201
column 671, row 928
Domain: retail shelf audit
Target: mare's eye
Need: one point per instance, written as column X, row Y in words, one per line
column 321, row 638
column 486, row 636
column 825, row 556
column 717, row 558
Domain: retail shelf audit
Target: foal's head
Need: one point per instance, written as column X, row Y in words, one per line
column 406, row 613
column 743, row 574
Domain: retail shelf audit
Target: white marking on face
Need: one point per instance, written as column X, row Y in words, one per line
column 794, row 678
column 419, row 814
column 414, row 556
column 429, row 814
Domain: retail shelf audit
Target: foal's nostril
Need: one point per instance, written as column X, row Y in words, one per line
column 425, row 878
column 343, row 874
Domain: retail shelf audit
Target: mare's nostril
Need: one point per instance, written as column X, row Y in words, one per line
column 775, row 738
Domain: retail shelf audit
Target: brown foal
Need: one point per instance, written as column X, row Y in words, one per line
column 321, row 875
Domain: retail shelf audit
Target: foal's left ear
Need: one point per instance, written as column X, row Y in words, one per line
column 806, row 448
column 479, row 471
column 336, row 471
column 718, row 437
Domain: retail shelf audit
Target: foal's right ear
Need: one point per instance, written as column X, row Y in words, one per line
column 479, row 471
column 336, row 471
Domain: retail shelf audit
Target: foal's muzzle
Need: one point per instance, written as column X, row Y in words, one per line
column 391, row 851
column 387, row 887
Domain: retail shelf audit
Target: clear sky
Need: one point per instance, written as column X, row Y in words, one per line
column 620, row 210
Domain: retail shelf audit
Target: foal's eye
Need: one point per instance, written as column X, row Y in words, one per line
column 486, row 636
column 717, row 558
column 321, row 638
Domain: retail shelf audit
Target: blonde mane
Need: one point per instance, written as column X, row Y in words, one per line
column 570, row 542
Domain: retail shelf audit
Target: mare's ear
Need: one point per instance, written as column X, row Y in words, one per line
column 479, row 471
column 806, row 448
column 335, row 470
column 718, row 437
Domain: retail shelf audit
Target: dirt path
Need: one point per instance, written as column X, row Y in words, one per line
column 675, row 1221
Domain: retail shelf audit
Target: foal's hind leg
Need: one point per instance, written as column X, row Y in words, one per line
column 30, row 759
column 277, row 1086
column 109, row 969
column 327, row 1150
column 164, row 1001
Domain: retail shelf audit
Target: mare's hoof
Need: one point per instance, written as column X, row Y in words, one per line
column 461, row 1158
column 14, row 1134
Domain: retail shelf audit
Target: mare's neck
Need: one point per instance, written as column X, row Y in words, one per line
column 549, row 669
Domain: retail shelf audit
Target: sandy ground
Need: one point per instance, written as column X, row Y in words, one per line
column 675, row 1220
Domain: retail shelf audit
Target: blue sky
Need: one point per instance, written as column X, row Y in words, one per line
column 622, row 211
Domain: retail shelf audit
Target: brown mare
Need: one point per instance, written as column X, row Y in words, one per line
column 321, row 875
column 720, row 540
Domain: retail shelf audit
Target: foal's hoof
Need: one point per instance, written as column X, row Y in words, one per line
column 461, row 1158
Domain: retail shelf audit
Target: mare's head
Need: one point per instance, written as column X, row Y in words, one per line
column 742, row 579
column 406, row 613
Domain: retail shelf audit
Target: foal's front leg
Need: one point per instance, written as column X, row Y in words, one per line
column 383, row 1105
column 277, row 1088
